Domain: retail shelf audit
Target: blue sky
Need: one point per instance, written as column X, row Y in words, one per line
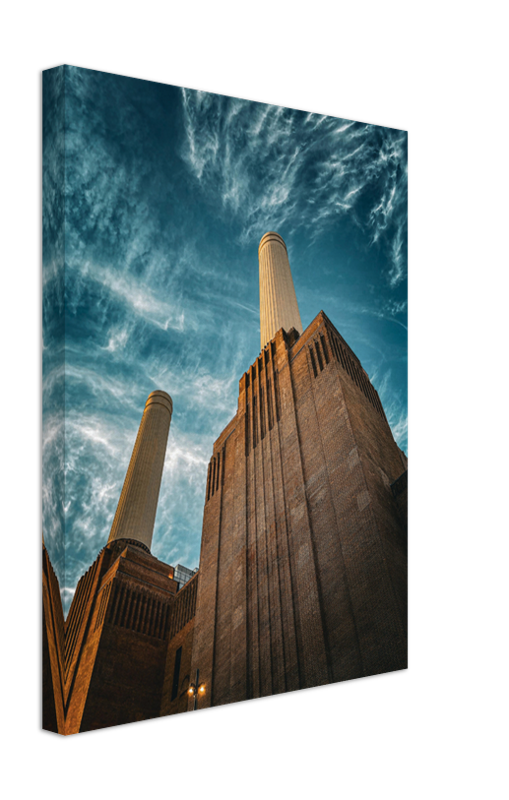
column 167, row 194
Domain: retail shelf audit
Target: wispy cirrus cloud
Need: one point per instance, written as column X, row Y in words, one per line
column 397, row 271
column 271, row 166
column 394, row 406
column 139, row 297
column 389, row 310
column 98, row 387
column 400, row 430
column 53, row 489
column 167, row 193
column 98, row 449
column 205, row 393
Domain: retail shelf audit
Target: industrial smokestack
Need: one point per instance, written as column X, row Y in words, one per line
column 278, row 302
column 136, row 510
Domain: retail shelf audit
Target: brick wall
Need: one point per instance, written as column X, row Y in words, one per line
column 302, row 573
column 117, row 639
column 178, row 675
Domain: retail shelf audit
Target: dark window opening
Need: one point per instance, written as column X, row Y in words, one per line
column 313, row 361
column 269, row 405
column 319, row 355
column 176, row 674
column 277, row 398
column 325, row 349
column 262, row 415
column 247, row 428
column 208, row 482
column 255, row 431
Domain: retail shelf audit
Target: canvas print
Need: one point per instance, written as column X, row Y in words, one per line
column 224, row 400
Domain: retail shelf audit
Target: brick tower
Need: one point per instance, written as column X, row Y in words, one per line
column 117, row 630
column 303, row 555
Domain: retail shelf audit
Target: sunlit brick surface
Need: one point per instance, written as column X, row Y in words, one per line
column 302, row 577
column 117, row 635
column 303, row 560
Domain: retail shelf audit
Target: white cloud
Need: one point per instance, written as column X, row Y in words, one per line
column 257, row 161
column 400, row 427
column 397, row 271
column 106, row 388
column 118, row 338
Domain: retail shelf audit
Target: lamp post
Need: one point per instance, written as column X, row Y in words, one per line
column 196, row 690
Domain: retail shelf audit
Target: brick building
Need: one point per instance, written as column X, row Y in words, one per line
column 126, row 610
column 303, row 559
column 302, row 578
column 116, row 639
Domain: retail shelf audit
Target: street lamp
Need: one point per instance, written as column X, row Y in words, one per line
column 196, row 690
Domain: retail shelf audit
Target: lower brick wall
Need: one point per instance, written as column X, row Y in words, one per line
column 303, row 568
column 181, row 702
column 400, row 493
column 126, row 680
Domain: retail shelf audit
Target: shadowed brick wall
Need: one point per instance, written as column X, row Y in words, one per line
column 302, row 570
column 117, row 638
column 178, row 676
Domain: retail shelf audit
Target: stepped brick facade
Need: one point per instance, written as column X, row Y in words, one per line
column 303, row 566
column 117, row 635
column 303, row 559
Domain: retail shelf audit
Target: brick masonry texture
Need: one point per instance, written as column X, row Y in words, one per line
column 112, row 661
column 400, row 492
column 178, row 676
column 117, row 638
column 303, row 561
column 303, row 573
